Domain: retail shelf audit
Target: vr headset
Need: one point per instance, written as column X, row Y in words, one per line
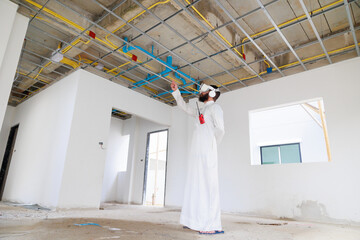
column 204, row 88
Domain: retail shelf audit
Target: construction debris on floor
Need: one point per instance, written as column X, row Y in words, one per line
column 143, row 223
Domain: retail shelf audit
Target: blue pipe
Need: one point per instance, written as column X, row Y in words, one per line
column 150, row 77
column 163, row 93
column 183, row 86
column 169, row 67
column 179, row 77
column 153, row 78
column 189, row 92
column 128, row 48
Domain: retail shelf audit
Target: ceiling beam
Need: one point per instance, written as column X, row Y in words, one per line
column 98, row 44
column 220, row 41
column 280, row 33
column 163, row 46
column 351, row 26
column 315, row 30
column 122, row 40
column 190, row 43
column 248, row 36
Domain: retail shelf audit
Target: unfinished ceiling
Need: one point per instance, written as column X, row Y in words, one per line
column 145, row 44
column 120, row 114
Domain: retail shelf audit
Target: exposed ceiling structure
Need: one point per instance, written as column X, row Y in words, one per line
column 146, row 44
column 120, row 114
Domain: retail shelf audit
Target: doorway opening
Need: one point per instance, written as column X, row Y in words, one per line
column 7, row 158
column 155, row 168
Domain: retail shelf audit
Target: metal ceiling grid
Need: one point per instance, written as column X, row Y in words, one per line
column 120, row 114
column 217, row 38
column 192, row 44
column 132, row 45
column 112, row 57
column 69, row 44
column 95, row 60
column 160, row 44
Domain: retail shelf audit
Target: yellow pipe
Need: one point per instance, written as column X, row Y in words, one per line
column 133, row 81
column 268, row 65
column 25, row 74
column 74, row 25
column 80, row 28
column 29, row 94
column 68, row 61
column 138, row 15
column 176, row 80
column 73, row 44
column 218, row 33
column 84, row 60
column 133, row 18
column 289, row 21
column 31, row 15
column 55, row 14
column 115, row 68
column 42, row 69
column 128, row 54
column 293, row 63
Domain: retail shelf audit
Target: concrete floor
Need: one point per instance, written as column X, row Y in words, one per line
column 140, row 223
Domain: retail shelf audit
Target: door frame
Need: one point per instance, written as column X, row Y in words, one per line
column 147, row 162
column 8, row 154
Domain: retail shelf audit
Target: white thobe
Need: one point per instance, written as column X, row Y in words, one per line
column 201, row 205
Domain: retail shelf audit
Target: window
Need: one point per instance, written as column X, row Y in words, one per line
column 281, row 154
column 278, row 133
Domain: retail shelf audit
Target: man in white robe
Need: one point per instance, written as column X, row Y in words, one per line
column 201, row 205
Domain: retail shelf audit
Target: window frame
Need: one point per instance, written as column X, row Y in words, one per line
column 278, row 146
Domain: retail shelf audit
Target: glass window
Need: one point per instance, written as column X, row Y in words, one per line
column 281, row 154
column 280, row 130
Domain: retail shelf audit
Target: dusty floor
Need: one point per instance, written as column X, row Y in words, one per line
column 140, row 223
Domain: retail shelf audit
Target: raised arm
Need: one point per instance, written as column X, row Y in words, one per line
column 180, row 101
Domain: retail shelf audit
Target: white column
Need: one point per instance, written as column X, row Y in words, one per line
column 7, row 17
column 10, row 49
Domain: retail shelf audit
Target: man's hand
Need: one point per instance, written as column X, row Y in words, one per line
column 174, row 86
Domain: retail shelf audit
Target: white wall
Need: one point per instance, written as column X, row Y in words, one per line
column 179, row 137
column 36, row 167
column 13, row 29
column 85, row 160
column 287, row 124
column 58, row 162
column 7, row 17
column 313, row 191
column 116, row 159
column 317, row 191
column 124, row 180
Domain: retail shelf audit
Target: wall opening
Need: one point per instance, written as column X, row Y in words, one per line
column 7, row 158
column 292, row 133
column 117, row 151
column 155, row 168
